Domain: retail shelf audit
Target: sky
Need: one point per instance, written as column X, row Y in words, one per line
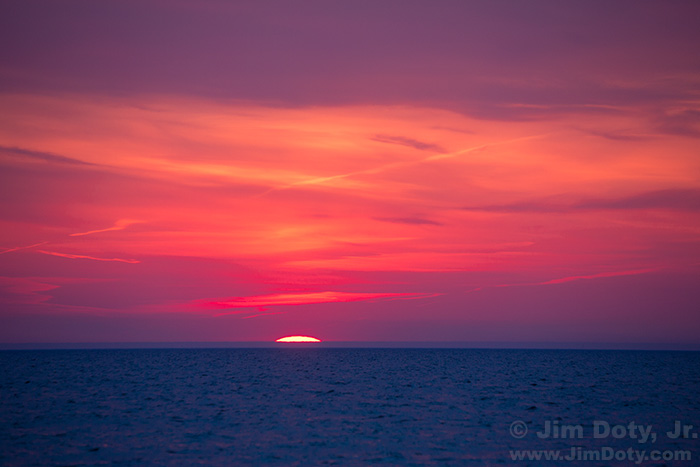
column 473, row 171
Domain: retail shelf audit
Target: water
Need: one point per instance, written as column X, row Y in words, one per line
column 301, row 406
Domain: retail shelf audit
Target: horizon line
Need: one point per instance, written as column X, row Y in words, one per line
column 496, row 345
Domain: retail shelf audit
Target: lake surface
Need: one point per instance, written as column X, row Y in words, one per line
column 324, row 406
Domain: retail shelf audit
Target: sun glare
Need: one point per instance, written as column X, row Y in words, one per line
column 298, row 339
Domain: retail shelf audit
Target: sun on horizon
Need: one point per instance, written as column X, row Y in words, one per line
column 298, row 339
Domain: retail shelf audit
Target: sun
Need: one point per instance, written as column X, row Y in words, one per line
column 298, row 339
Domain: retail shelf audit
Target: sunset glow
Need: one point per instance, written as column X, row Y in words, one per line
column 390, row 172
column 298, row 339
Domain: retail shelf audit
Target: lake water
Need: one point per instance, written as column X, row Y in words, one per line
column 325, row 406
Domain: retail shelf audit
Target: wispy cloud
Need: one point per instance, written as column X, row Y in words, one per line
column 43, row 156
column 27, row 290
column 9, row 250
column 676, row 199
column 619, row 135
column 563, row 280
column 119, row 225
column 257, row 315
column 599, row 275
column 263, row 301
column 401, row 164
column 684, row 122
column 673, row 199
column 407, row 220
column 409, row 142
column 66, row 255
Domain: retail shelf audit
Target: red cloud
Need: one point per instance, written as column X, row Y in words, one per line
column 261, row 301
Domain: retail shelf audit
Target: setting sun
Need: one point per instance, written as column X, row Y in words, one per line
column 298, row 339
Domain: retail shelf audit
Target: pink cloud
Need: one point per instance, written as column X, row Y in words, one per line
column 121, row 224
column 262, row 301
column 563, row 280
column 10, row 250
column 33, row 290
column 26, row 290
column 598, row 276
column 257, row 315
column 66, row 255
